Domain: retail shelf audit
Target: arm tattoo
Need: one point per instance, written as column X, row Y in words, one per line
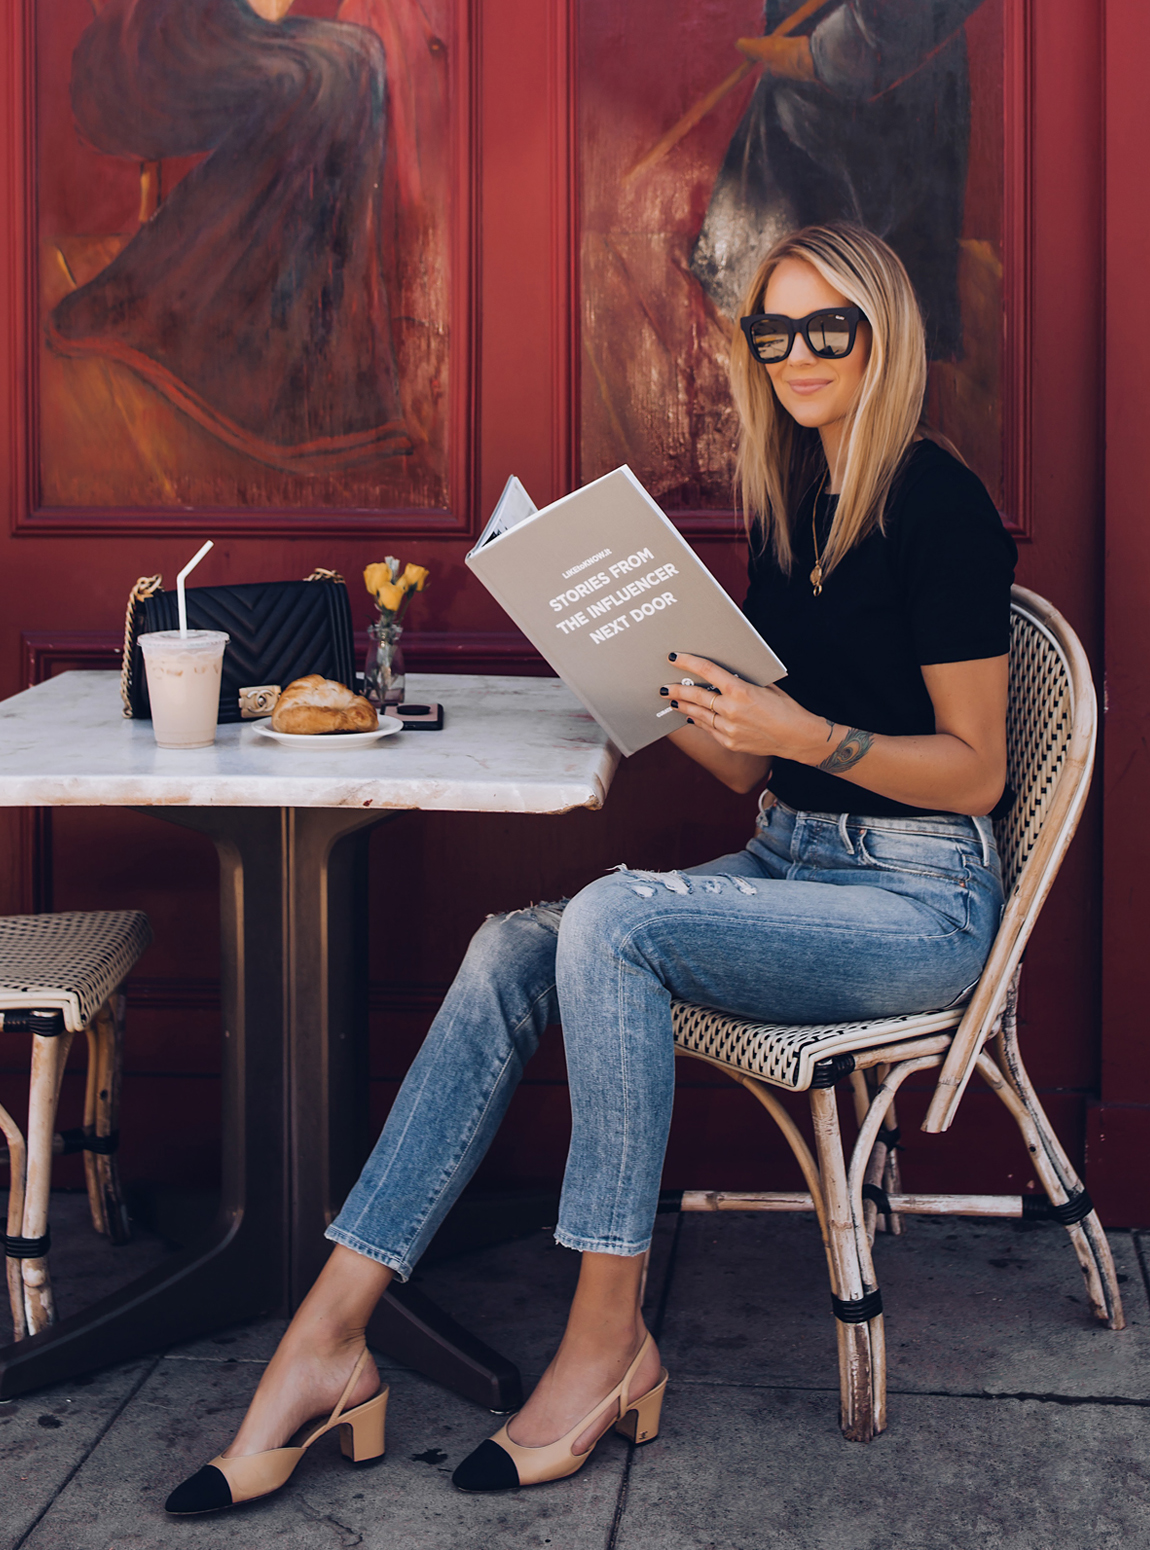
column 854, row 746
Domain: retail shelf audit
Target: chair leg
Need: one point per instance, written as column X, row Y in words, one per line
column 869, row 1157
column 882, row 1166
column 102, row 1169
column 1088, row 1236
column 799, row 1148
column 17, row 1168
column 1058, row 1177
column 876, row 1170
column 95, row 1202
column 48, row 1058
column 862, row 1090
column 861, row 1346
column 892, row 1174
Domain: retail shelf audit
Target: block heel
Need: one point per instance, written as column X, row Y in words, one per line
column 361, row 1431
column 640, row 1421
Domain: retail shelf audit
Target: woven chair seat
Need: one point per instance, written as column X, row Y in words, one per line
column 70, row 961
column 785, row 1054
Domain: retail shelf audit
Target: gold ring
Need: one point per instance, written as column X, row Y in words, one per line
column 711, row 707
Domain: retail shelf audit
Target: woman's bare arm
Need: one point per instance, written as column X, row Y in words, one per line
column 960, row 768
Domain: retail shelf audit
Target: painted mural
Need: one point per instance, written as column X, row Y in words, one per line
column 760, row 119
column 244, row 218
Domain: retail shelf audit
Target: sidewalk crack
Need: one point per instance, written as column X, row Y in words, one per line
column 1026, row 1394
column 88, row 1452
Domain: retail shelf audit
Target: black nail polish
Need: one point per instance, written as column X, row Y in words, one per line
column 690, row 721
column 673, row 656
column 664, row 691
column 674, row 704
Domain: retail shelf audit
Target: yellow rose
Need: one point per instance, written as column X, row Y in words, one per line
column 389, row 595
column 376, row 576
column 415, row 576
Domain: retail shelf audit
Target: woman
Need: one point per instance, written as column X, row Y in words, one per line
column 253, row 299
column 881, row 573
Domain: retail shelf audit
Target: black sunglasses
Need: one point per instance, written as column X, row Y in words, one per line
column 829, row 333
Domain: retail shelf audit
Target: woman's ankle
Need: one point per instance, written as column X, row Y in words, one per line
column 325, row 1340
column 606, row 1353
column 329, row 1326
column 345, row 1293
column 614, row 1337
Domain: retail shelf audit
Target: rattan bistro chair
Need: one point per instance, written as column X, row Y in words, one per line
column 1050, row 736
column 60, row 975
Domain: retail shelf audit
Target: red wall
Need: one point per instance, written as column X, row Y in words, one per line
column 1119, row 1124
column 435, row 876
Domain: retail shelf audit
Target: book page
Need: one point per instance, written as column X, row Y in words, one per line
column 513, row 506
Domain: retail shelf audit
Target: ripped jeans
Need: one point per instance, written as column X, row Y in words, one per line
column 822, row 917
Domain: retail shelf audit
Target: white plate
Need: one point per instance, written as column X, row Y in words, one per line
column 317, row 740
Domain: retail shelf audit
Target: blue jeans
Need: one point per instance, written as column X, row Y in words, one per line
column 821, row 918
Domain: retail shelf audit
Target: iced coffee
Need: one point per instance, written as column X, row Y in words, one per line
column 184, row 685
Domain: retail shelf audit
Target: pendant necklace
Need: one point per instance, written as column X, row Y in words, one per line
column 817, row 573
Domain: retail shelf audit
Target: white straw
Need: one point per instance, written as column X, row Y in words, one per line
column 181, row 602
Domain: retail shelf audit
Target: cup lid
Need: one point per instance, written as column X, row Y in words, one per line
column 194, row 640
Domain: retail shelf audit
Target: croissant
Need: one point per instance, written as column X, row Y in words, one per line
column 314, row 704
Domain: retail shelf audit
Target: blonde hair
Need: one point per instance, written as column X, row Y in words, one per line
column 779, row 460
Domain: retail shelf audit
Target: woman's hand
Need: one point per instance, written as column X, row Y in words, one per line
column 738, row 727
column 744, row 718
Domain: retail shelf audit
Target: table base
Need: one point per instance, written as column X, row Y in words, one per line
column 294, row 944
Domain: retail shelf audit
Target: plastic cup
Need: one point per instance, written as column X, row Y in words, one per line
column 184, row 685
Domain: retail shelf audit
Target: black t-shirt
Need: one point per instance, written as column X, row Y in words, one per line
column 933, row 587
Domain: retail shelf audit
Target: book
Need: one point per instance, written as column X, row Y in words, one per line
column 604, row 587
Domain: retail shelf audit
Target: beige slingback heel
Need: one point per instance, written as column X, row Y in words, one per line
column 226, row 1482
column 500, row 1464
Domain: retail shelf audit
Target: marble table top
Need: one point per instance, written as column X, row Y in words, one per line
column 508, row 745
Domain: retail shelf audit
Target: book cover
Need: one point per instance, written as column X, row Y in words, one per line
column 604, row 587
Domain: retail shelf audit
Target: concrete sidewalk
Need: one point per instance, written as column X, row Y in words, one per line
column 1015, row 1422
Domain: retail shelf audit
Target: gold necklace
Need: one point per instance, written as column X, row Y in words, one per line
column 817, row 573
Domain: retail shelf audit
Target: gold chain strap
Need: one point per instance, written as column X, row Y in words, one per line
column 321, row 574
column 146, row 586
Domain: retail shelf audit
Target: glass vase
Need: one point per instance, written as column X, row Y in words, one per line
column 383, row 674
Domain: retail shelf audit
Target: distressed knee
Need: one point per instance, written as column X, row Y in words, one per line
column 514, row 939
column 601, row 915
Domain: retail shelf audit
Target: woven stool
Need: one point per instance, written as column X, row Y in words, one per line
column 1050, row 729
column 60, row 975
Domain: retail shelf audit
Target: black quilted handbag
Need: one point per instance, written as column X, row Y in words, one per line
column 278, row 631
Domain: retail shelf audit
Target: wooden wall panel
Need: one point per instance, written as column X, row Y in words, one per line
column 434, row 877
column 1062, row 428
